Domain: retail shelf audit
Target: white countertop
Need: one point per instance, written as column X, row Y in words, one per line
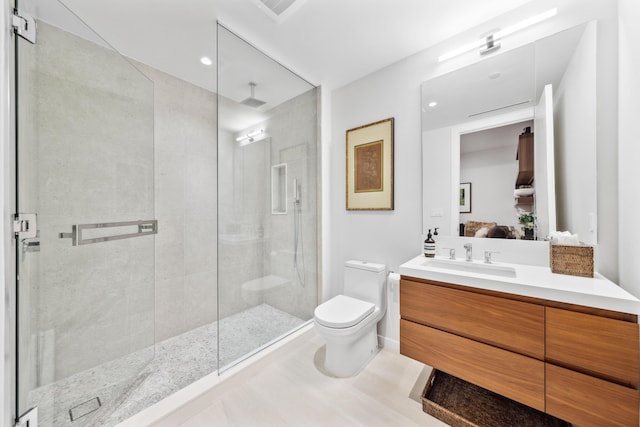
column 532, row 281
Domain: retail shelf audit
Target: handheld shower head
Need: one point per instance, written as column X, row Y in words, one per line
column 296, row 191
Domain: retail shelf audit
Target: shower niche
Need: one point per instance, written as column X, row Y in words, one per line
column 279, row 189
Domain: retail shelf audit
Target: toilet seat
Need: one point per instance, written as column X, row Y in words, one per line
column 343, row 312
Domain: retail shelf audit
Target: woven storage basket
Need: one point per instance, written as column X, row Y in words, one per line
column 440, row 412
column 571, row 260
column 461, row 404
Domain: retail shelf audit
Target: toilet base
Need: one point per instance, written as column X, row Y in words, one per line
column 346, row 357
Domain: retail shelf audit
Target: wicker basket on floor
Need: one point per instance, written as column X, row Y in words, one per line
column 571, row 260
column 459, row 403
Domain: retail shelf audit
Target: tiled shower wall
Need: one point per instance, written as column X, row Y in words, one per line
column 255, row 243
column 294, row 133
column 186, row 205
column 183, row 164
column 86, row 156
column 91, row 304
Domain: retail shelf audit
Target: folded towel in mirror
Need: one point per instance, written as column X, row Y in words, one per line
column 564, row 238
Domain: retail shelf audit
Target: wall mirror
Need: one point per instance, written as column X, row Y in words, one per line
column 511, row 134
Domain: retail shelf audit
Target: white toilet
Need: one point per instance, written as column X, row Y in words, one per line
column 349, row 322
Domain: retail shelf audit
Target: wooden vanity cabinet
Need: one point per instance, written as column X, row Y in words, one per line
column 595, row 345
column 588, row 401
column 507, row 373
column 577, row 363
column 511, row 325
column 592, row 369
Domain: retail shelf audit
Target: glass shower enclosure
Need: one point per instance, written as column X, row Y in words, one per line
column 267, row 199
column 85, row 258
column 98, row 335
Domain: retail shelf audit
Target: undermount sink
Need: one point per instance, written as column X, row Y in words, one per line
column 471, row 267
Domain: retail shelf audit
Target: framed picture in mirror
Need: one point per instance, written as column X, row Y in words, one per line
column 370, row 166
column 465, row 197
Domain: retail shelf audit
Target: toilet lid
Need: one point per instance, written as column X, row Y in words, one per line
column 342, row 311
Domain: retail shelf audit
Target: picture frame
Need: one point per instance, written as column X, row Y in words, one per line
column 465, row 197
column 369, row 162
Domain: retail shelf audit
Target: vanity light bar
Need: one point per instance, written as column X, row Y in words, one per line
column 500, row 34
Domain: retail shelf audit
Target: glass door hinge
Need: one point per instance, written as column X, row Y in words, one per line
column 24, row 25
column 28, row 419
column 25, row 225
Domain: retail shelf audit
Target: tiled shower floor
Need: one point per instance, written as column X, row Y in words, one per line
column 177, row 362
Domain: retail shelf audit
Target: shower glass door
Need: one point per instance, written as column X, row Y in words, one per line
column 85, row 169
column 267, row 200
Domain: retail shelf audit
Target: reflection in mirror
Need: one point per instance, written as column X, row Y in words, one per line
column 488, row 159
column 473, row 121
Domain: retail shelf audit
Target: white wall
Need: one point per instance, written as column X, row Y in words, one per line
column 629, row 147
column 575, row 133
column 607, row 135
column 436, row 152
column 491, row 174
column 392, row 237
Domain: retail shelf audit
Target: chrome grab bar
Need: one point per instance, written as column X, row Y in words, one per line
column 144, row 228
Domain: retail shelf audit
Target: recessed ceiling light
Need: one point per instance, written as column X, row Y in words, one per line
column 206, row 60
column 433, row 104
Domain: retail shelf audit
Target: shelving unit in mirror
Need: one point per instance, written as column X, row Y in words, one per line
column 525, row 176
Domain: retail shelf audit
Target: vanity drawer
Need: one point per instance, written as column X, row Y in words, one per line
column 512, row 325
column 588, row 401
column 518, row 377
column 595, row 345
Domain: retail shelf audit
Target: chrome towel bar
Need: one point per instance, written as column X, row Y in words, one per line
column 144, row 228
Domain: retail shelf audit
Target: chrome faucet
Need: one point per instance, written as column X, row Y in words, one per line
column 468, row 249
column 487, row 256
column 452, row 253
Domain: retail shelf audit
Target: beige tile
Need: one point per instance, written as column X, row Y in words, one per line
column 169, row 247
column 200, row 248
column 200, row 185
column 169, row 298
column 201, row 301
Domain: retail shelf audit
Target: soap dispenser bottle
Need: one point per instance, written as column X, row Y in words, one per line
column 429, row 246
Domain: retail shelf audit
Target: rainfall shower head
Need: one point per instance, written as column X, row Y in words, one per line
column 252, row 101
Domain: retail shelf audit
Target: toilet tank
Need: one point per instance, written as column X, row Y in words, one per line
column 366, row 281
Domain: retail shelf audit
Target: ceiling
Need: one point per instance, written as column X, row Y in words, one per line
column 328, row 42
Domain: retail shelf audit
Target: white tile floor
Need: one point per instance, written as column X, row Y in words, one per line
column 288, row 388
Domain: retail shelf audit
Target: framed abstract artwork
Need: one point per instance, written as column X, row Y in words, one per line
column 370, row 166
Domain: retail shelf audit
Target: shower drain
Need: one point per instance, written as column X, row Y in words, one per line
column 84, row 408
